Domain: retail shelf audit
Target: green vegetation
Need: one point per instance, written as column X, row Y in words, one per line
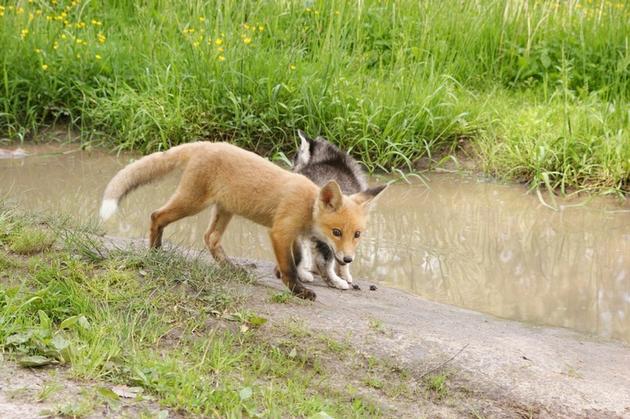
column 170, row 327
column 535, row 90
column 437, row 384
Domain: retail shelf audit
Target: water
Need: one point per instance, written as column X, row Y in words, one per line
column 480, row 245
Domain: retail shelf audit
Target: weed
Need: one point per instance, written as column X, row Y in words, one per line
column 437, row 384
column 376, row 325
column 30, row 240
column 374, row 383
column 282, row 297
column 49, row 388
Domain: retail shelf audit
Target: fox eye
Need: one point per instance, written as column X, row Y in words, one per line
column 336, row 232
column 357, row 234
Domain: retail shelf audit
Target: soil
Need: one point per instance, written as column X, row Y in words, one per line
column 52, row 392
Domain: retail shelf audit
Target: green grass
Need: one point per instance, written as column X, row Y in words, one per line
column 437, row 384
column 537, row 91
column 31, row 240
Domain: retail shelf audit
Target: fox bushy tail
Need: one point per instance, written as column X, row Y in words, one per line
column 141, row 172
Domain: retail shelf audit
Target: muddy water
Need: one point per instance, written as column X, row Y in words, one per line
column 480, row 245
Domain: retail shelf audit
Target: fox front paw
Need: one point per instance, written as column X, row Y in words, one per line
column 305, row 294
column 339, row 283
column 305, row 276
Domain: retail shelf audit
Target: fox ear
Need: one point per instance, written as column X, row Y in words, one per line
column 330, row 196
column 367, row 196
column 304, row 153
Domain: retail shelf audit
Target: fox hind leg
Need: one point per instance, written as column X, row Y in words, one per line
column 219, row 221
column 180, row 205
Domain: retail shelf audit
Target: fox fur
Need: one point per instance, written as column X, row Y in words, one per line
column 237, row 182
column 321, row 161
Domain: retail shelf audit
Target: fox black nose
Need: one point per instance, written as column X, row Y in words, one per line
column 347, row 259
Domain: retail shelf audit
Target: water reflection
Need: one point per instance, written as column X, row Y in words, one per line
column 484, row 246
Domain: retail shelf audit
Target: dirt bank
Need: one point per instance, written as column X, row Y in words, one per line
column 553, row 371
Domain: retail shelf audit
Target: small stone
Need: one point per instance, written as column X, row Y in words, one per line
column 372, row 287
column 356, row 287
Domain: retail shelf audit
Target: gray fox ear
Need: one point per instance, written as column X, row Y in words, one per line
column 330, row 196
column 304, row 153
column 367, row 196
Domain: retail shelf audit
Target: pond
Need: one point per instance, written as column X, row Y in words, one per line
column 460, row 240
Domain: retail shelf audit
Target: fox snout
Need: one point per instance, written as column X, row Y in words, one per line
column 343, row 259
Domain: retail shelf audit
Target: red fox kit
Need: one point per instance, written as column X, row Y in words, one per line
column 237, row 182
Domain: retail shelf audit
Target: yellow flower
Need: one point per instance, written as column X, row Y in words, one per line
column 292, row 67
column 63, row 36
column 56, row 45
column 218, row 41
column 19, row 11
column 37, row 50
column 195, row 44
column 247, row 40
column 261, row 28
column 101, row 38
column 96, row 22
column 44, row 67
column 220, row 49
column 23, row 33
column 98, row 57
column 221, row 58
column 337, row 12
column 79, row 25
column 245, row 25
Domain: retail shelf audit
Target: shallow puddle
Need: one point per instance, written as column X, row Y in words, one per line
column 484, row 246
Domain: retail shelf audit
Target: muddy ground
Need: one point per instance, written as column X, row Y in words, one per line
column 493, row 367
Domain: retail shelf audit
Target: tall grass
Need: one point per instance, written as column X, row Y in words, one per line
column 538, row 89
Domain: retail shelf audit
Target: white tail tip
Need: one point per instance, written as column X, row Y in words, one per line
column 108, row 208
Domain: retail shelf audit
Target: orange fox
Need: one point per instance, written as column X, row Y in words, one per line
column 238, row 182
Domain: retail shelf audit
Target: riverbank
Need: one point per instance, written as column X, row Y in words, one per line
column 195, row 339
column 533, row 92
